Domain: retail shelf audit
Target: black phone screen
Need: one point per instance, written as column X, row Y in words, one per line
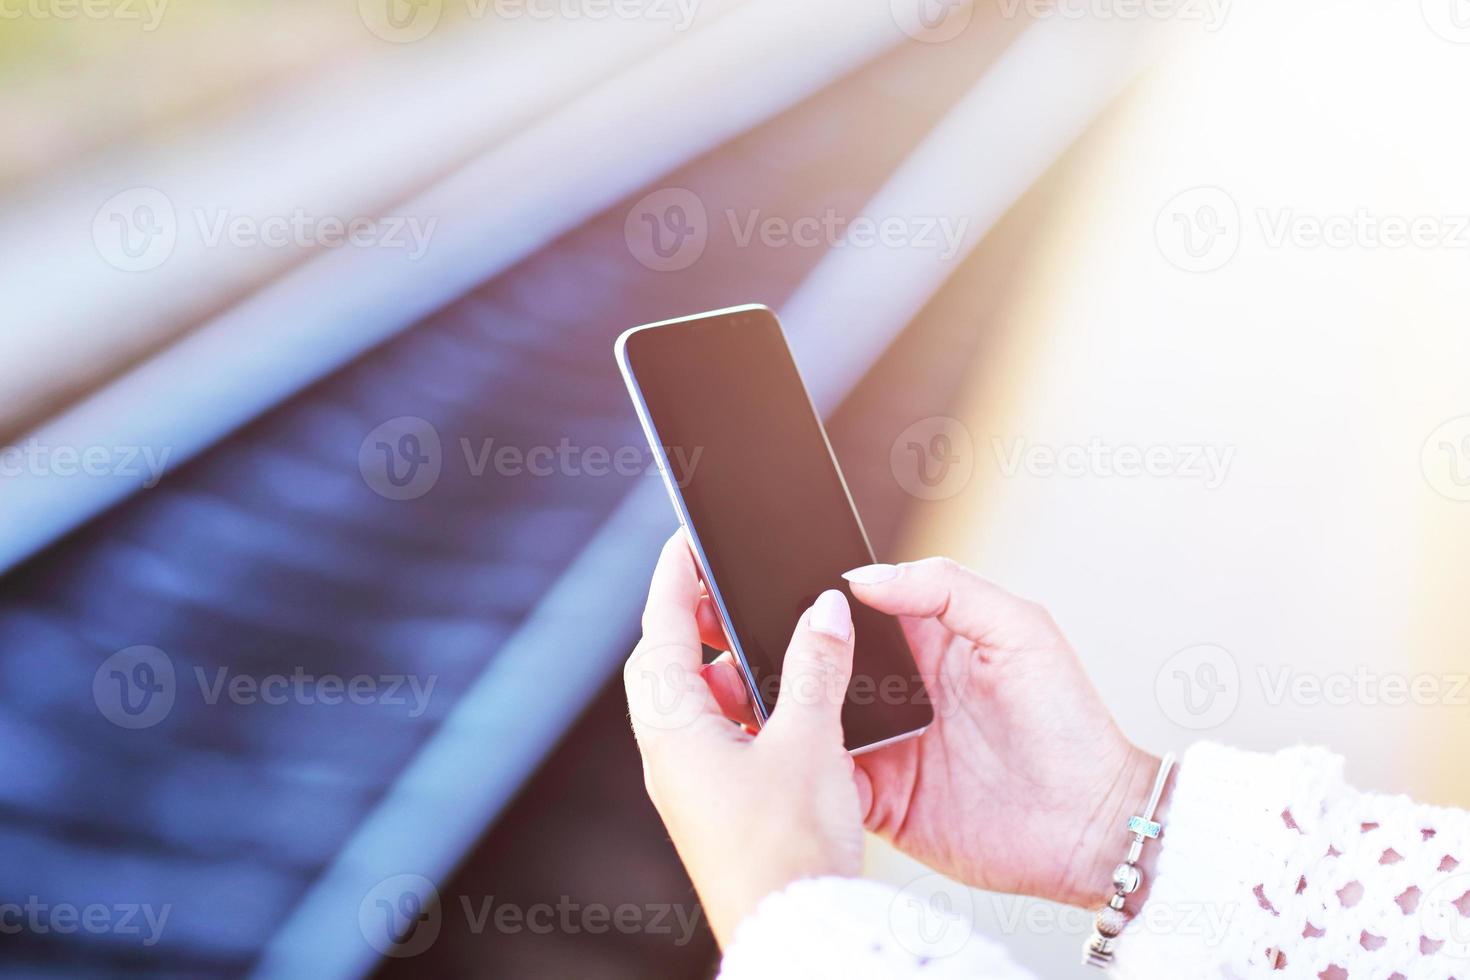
column 767, row 505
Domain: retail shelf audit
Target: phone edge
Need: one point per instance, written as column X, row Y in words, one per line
column 620, row 354
column 681, row 510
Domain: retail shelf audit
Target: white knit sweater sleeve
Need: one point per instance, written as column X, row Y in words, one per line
column 851, row 929
column 1273, row 863
column 1269, row 866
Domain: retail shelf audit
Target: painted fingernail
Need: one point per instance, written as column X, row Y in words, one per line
column 872, row 574
column 733, row 684
column 830, row 615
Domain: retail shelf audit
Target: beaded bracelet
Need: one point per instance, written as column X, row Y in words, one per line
column 1111, row 919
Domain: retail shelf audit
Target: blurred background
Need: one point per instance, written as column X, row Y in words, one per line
column 325, row 520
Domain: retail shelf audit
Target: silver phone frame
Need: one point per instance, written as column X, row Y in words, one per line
column 620, row 352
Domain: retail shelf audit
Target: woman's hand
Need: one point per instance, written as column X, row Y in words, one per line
column 1023, row 783
column 748, row 813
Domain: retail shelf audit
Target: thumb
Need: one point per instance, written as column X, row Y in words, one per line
column 816, row 670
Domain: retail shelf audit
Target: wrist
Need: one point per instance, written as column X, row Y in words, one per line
column 1104, row 844
column 740, row 888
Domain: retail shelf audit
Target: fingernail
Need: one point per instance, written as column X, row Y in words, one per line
column 872, row 574
column 736, row 685
column 830, row 615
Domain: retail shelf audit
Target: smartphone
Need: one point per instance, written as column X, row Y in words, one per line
column 756, row 486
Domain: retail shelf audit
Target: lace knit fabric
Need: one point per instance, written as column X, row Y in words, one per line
column 1270, row 866
column 1281, row 866
column 860, row 930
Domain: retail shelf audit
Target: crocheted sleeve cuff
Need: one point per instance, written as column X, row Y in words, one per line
column 1271, row 862
column 852, row 929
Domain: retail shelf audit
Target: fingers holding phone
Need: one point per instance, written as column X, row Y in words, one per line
column 814, row 678
column 752, row 476
column 816, row 670
column 788, row 794
column 727, row 684
column 665, row 690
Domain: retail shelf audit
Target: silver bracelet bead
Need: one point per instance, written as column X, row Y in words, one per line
column 1112, row 919
column 1126, row 878
column 1110, row 922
